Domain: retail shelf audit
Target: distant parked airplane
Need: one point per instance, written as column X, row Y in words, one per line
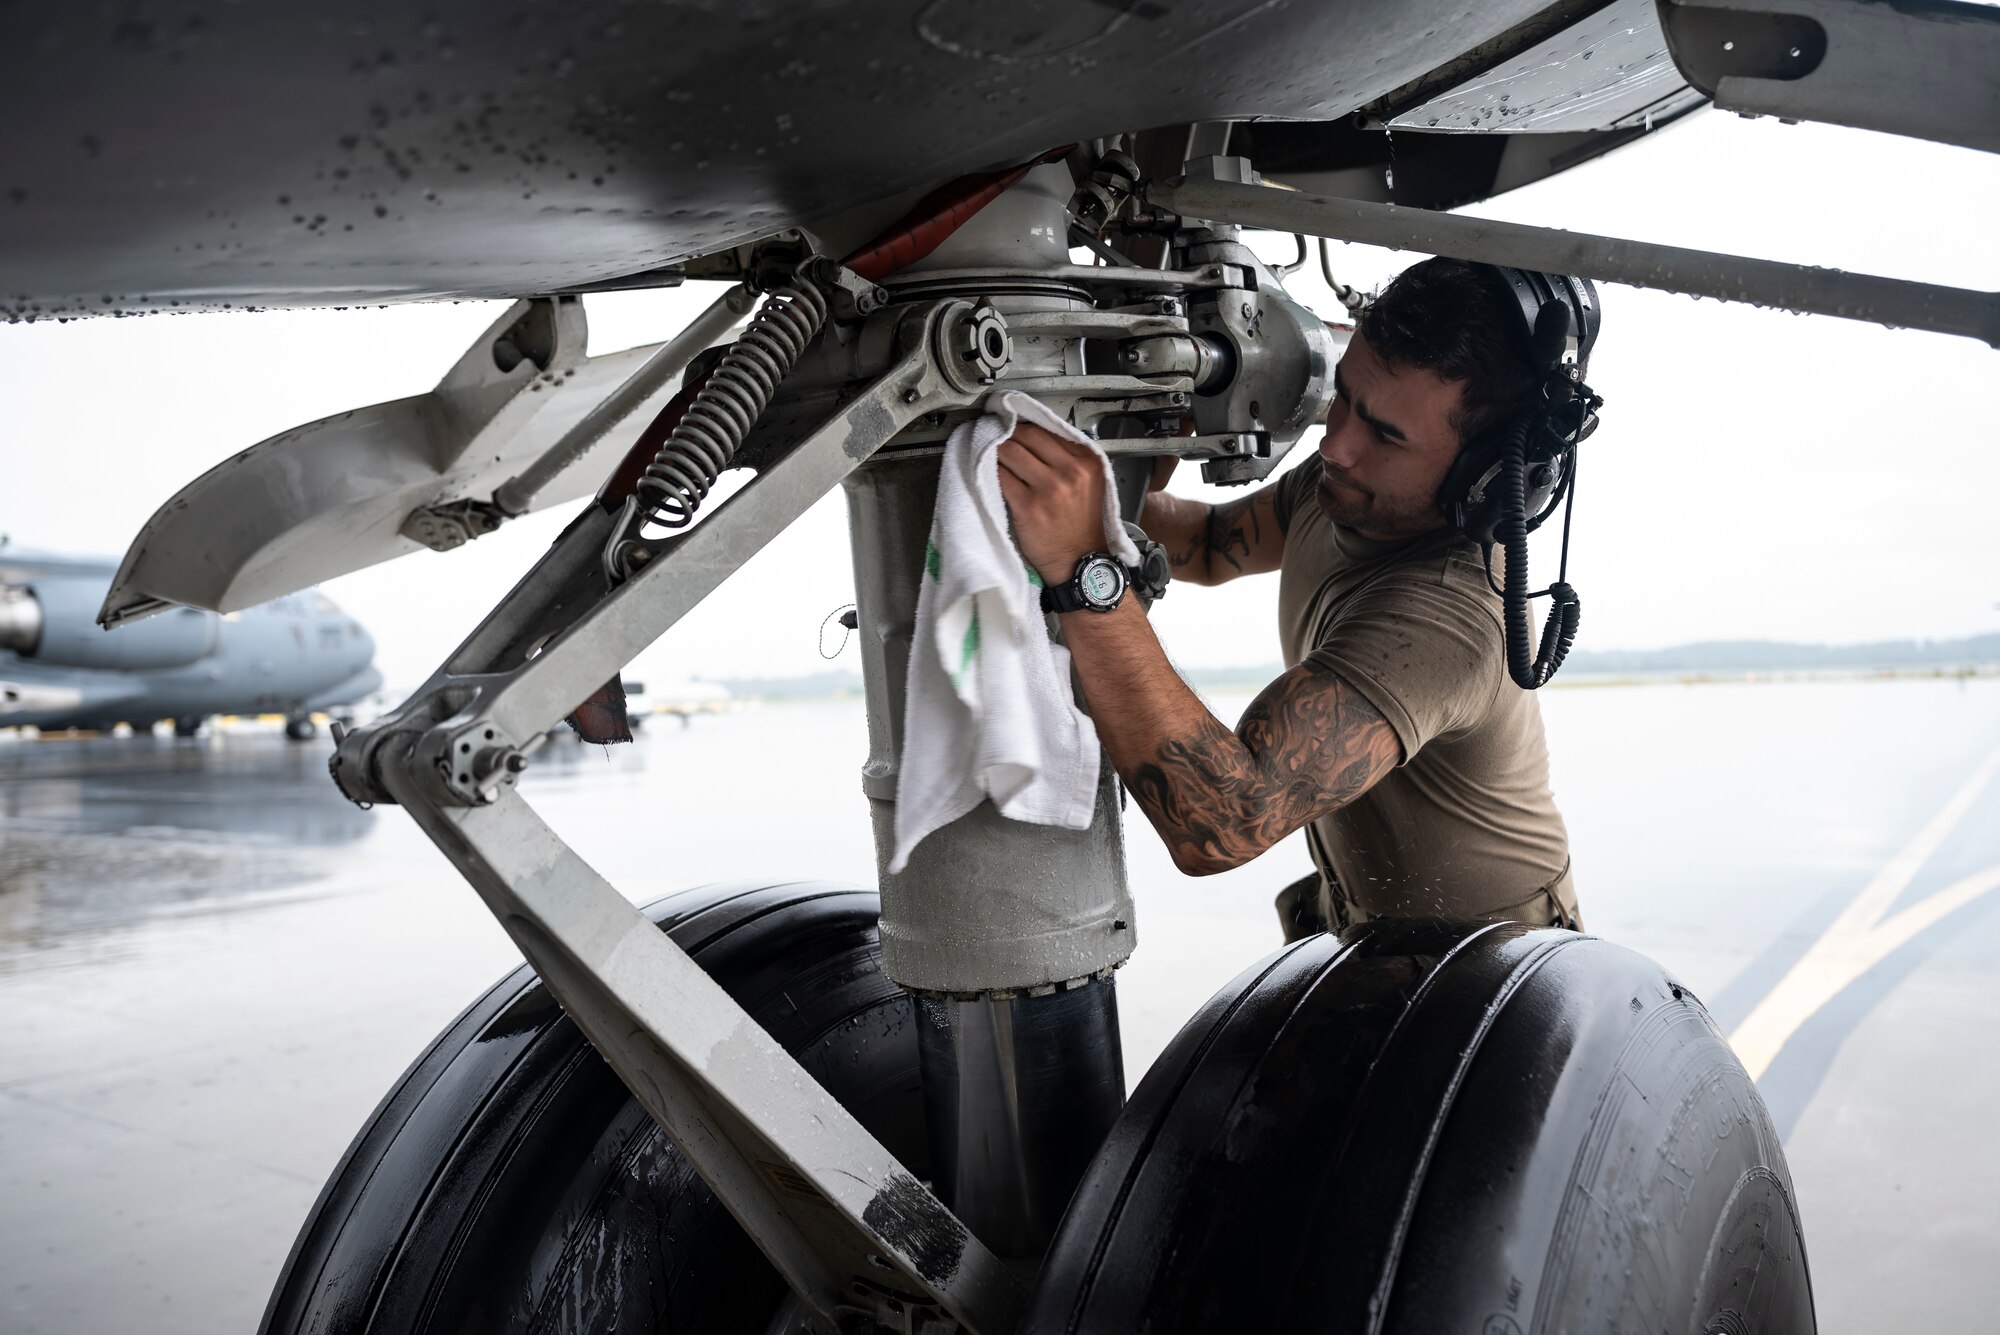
column 293, row 655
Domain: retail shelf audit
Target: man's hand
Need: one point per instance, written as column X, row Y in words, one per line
column 1055, row 492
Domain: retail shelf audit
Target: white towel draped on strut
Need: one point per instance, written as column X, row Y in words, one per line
column 988, row 710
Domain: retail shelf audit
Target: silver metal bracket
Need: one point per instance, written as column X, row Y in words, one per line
column 450, row 525
column 447, row 525
column 1250, row 460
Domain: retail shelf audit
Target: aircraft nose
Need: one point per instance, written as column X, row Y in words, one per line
column 363, row 645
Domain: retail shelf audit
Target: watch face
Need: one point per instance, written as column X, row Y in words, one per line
column 1101, row 581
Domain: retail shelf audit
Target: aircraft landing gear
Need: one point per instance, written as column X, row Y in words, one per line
column 510, row 1182
column 300, row 728
column 186, row 727
column 1408, row 1127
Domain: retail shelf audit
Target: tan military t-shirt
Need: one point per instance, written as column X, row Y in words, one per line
column 1466, row 826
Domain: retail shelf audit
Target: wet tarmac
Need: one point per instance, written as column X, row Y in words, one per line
column 211, row 967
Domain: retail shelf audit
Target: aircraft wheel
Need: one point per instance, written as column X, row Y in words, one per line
column 186, row 727
column 509, row 1182
column 300, row 729
column 1421, row 1127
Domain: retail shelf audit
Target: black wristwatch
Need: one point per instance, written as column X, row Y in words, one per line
column 1097, row 586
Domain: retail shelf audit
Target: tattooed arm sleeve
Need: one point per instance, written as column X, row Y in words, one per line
column 1212, row 544
column 1306, row 746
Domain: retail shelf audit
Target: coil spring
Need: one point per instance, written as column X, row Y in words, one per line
column 728, row 406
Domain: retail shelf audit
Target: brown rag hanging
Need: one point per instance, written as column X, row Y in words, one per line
column 602, row 718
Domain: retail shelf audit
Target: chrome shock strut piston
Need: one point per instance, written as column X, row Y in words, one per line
column 1006, row 933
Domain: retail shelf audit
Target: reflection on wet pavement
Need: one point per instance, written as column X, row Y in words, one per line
column 211, row 966
column 97, row 834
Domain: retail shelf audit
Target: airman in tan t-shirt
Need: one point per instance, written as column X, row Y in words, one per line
column 1395, row 737
column 1465, row 826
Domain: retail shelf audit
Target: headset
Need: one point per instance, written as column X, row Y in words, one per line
column 1513, row 475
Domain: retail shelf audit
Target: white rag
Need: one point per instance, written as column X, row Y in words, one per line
column 988, row 711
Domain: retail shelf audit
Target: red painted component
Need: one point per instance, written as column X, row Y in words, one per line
column 624, row 479
column 936, row 216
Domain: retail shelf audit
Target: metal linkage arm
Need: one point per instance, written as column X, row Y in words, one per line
column 513, row 496
column 1794, row 287
column 560, row 633
column 446, row 525
column 847, row 1225
column 853, row 1232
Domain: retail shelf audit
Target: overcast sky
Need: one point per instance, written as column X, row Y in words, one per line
column 1758, row 474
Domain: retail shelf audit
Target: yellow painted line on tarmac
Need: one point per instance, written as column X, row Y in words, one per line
column 1860, row 938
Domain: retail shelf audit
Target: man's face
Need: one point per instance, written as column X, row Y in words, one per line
column 1389, row 442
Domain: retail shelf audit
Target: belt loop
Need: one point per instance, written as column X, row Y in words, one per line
column 1564, row 918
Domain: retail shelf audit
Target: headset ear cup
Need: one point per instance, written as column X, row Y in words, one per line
column 1552, row 327
column 1475, row 462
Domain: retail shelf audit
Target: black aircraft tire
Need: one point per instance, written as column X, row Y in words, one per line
column 509, row 1182
column 1419, row 1127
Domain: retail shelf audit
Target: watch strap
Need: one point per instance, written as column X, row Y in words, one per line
column 1063, row 597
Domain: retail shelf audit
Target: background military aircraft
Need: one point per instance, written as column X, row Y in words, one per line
column 294, row 655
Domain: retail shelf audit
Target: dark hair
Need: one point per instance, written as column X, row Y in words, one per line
column 1461, row 321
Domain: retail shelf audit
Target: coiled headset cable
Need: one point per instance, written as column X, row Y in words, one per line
column 1565, row 608
column 1512, row 526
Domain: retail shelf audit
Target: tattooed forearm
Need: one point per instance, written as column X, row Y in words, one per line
column 1217, row 531
column 1187, row 552
column 1308, row 745
column 1211, row 544
column 1231, row 534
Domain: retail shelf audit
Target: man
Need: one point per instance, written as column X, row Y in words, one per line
column 1396, row 736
